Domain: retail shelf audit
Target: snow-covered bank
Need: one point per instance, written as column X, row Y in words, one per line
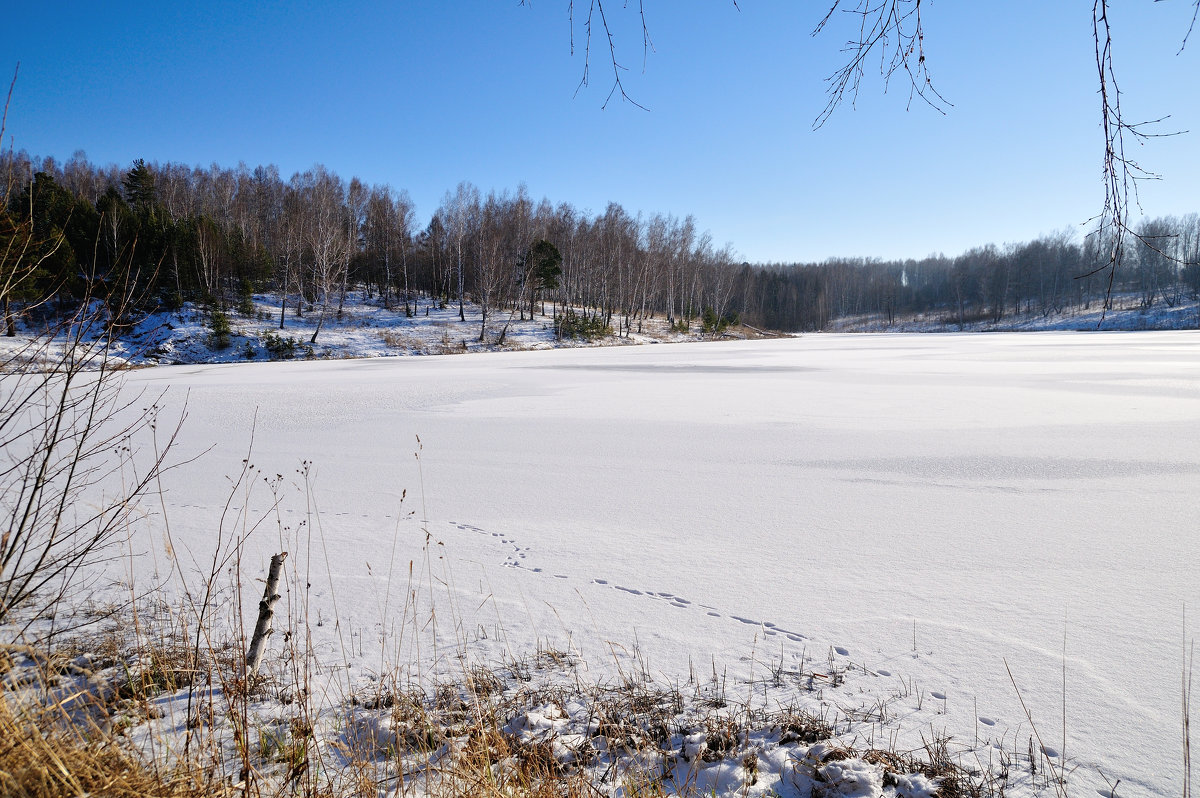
column 361, row 327
column 1128, row 312
column 365, row 327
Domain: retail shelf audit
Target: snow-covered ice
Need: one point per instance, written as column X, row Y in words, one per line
column 936, row 510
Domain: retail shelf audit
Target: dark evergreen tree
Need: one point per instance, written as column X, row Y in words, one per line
column 139, row 187
column 545, row 267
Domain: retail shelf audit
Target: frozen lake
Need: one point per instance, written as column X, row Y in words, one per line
column 932, row 506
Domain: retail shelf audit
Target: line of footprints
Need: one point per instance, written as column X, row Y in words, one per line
column 516, row 559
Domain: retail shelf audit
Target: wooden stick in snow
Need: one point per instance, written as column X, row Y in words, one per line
column 263, row 627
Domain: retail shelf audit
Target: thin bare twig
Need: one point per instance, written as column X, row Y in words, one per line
column 1121, row 173
column 9, row 176
column 1191, row 25
column 893, row 29
column 596, row 7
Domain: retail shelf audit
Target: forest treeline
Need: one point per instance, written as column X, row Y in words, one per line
column 166, row 234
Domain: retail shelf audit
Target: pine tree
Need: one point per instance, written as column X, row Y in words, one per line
column 139, row 187
column 545, row 267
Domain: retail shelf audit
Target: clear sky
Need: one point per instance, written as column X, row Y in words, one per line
column 422, row 94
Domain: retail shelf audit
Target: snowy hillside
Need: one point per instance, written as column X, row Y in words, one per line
column 362, row 327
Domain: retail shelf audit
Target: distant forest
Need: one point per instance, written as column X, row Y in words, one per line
column 168, row 234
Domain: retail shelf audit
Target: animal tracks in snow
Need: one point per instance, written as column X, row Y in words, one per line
column 770, row 629
column 516, row 555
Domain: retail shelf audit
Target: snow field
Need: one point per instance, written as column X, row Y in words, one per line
column 915, row 512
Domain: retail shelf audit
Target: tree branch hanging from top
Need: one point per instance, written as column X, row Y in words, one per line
column 891, row 33
column 893, row 30
column 1121, row 172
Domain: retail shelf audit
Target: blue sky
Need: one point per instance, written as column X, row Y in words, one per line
column 422, row 94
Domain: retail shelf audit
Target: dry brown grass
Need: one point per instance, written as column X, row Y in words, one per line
column 40, row 757
column 421, row 346
column 449, row 740
column 397, row 340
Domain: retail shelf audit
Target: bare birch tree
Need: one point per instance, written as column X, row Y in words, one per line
column 326, row 237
